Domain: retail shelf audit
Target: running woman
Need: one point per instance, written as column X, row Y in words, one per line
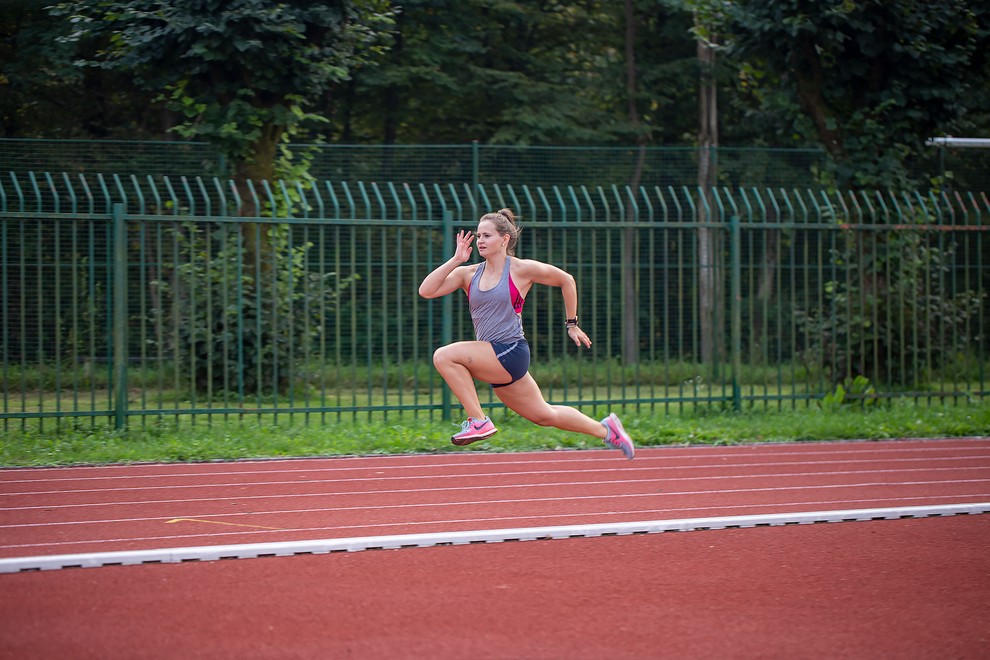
column 496, row 290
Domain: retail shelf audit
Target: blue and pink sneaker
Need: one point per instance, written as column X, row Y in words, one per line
column 473, row 430
column 617, row 436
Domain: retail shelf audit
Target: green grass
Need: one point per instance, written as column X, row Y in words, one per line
column 363, row 434
column 959, row 369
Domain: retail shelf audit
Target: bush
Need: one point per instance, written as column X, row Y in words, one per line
column 242, row 322
column 890, row 313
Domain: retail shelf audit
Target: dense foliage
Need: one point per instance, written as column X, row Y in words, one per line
column 890, row 311
column 867, row 79
column 245, row 330
column 873, row 79
column 241, row 75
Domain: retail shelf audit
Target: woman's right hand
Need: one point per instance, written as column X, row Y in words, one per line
column 463, row 251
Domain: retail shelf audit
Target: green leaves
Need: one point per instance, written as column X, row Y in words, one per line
column 244, row 326
column 875, row 77
column 239, row 72
column 852, row 392
column 892, row 309
column 869, row 79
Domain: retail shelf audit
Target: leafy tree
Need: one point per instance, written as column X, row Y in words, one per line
column 523, row 73
column 875, row 78
column 473, row 69
column 42, row 94
column 240, row 332
column 241, row 73
column 870, row 81
column 891, row 311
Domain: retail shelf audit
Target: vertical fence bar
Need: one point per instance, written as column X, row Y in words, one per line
column 475, row 181
column 119, row 331
column 735, row 321
column 4, row 306
column 447, row 304
column 982, row 375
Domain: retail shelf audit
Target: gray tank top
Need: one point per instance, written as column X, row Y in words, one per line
column 497, row 312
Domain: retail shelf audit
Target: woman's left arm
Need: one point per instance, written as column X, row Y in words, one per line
column 541, row 273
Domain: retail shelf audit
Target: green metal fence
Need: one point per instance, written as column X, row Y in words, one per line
column 471, row 163
column 137, row 300
column 961, row 168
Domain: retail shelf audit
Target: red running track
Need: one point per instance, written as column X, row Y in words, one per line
column 899, row 589
column 100, row 509
column 902, row 589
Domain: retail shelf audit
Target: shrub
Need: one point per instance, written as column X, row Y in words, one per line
column 243, row 326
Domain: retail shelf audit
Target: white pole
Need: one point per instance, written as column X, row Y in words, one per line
column 977, row 143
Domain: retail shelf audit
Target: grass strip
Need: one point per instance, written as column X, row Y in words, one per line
column 406, row 434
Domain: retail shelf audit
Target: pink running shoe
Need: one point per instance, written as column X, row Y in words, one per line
column 473, row 430
column 617, row 436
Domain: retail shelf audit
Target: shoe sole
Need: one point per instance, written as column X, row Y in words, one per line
column 463, row 442
column 622, row 433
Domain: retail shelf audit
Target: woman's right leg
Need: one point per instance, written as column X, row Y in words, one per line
column 525, row 398
column 461, row 363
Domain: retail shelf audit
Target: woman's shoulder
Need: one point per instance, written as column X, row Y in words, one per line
column 519, row 264
column 467, row 272
column 531, row 270
column 528, row 266
column 527, row 271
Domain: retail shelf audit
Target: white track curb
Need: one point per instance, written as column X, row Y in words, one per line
column 355, row 544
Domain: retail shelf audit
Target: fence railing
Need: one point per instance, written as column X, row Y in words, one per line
column 132, row 299
column 956, row 167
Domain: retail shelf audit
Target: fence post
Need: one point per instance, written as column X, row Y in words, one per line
column 119, row 322
column 447, row 303
column 475, row 157
column 735, row 303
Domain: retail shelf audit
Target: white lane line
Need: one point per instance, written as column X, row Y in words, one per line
column 470, row 503
column 500, row 486
column 479, row 475
column 652, row 454
column 464, row 521
column 721, row 466
column 356, row 544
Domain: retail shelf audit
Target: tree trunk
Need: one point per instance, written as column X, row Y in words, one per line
column 709, row 270
column 392, row 102
column 630, row 296
column 260, row 166
column 810, row 80
column 765, row 291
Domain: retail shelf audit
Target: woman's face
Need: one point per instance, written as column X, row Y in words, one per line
column 488, row 240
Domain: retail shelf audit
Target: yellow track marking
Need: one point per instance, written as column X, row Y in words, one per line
column 217, row 522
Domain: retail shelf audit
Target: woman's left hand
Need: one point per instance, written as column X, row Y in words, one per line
column 579, row 336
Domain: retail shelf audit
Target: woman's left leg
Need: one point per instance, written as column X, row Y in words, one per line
column 461, row 363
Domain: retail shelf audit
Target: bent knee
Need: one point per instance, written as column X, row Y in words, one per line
column 541, row 417
column 444, row 356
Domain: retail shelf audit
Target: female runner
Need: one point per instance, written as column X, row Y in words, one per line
column 496, row 290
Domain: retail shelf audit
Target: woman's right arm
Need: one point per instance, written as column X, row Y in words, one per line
column 450, row 275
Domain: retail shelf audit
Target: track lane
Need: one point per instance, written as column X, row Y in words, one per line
column 66, row 510
column 449, row 463
column 890, row 589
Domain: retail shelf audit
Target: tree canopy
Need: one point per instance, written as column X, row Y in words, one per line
column 868, row 80
column 241, row 73
column 874, row 78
